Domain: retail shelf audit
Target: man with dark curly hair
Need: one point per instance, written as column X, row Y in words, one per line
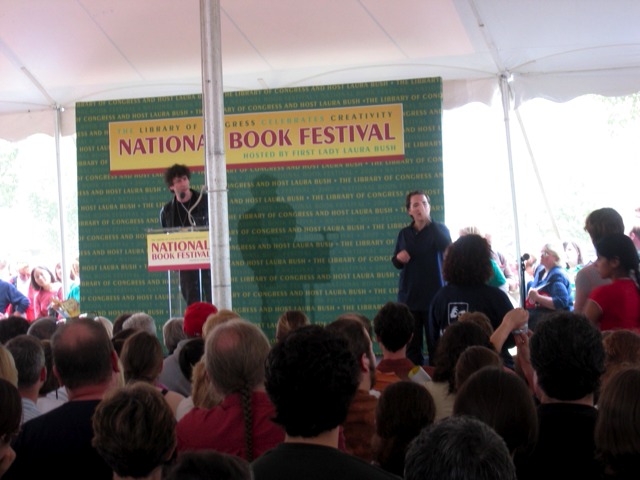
column 311, row 378
column 567, row 356
column 187, row 208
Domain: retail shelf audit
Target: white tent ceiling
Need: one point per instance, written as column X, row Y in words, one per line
column 54, row 53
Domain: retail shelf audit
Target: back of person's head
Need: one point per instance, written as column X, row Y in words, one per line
column 12, row 326
column 106, row 323
column 172, row 333
column 503, row 401
column 190, row 354
column 467, row 261
column 473, row 359
column 10, row 411
column 616, row 432
column 359, row 341
column 43, row 328
column 404, row 409
column 118, row 323
column 480, row 319
column 202, row 392
column 28, row 355
column 194, row 317
column 602, row 222
column 119, row 338
column 134, row 430
column 82, row 353
column 459, row 448
column 360, row 318
column 208, row 464
column 8, row 369
column 141, row 357
column 311, row 378
column 621, row 346
column 290, row 320
column 394, row 325
column 567, row 356
column 141, row 321
column 455, row 340
column 51, row 383
column 235, row 355
column 214, row 319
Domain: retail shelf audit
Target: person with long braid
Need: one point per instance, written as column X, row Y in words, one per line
column 616, row 305
column 241, row 425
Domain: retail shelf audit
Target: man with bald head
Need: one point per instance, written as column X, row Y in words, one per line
column 59, row 442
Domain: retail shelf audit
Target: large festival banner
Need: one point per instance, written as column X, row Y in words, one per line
column 317, row 178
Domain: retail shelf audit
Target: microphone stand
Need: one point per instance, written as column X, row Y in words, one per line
column 523, row 287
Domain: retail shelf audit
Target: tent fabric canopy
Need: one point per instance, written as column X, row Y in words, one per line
column 54, row 53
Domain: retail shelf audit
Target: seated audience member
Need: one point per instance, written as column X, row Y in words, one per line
column 140, row 321
column 118, row 322
column 86, row 364
column 134, row 431
column 404, row 409
column 498, row 276
column 10, row 415
column 235, row 354
column 171, row 376
column 617, row 437
column 142, row 362
column 28, row 355
column 466, row 268
column 311, row 377
column 574, row 262
column 43, row 328
column 621, row 350
column 217, row 318
column 598, row 224
column 121, row 337
column 359, row 425
column 208, row 465
column 550, row 289
column 8, row 369
column 473, row 359
column 457, row 337
column 106, row 323
column 567, row 357
column 479, row 319
column 503, row 401
column 46, row 289
column 51, row 394
column 459, row 448
column 290, row 320
column 12, row 299
column 12, row 327
column 393, row 326
column 172, row 333
column 616, row 305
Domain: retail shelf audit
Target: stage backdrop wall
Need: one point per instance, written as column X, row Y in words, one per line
column 317, row 178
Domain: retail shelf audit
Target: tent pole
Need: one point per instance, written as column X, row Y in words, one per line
column 506, row 107
column 215, row 165
column 63, row 243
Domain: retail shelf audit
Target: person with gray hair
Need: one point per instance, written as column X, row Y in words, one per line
column 141, row 321
column 172, row 333
column 459, row 448
column 28, row 355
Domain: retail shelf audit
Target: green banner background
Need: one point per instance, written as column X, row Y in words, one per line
column 314, row 237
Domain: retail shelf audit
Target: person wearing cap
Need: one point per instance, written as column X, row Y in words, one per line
column 171, row 376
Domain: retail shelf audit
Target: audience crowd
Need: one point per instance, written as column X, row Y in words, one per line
column 545, row 391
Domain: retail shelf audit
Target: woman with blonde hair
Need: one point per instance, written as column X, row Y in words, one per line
column 550, row 289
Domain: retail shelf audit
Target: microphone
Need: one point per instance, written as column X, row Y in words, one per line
column 525, row 257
